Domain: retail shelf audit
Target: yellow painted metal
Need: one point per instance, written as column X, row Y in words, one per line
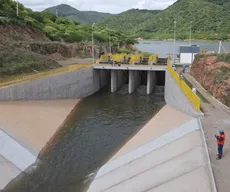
column 195, row 100
column 152, row 59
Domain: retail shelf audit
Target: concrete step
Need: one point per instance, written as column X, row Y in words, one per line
column 162, row 173
column 126, row 173
column 175, row 153
column 155, row 143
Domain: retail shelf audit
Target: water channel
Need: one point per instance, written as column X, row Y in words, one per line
column 98, row 126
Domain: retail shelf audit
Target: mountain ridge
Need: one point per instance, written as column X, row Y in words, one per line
column 84, row 17
column 208, row 19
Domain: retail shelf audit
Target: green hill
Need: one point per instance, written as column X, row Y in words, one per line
column 128, row 21
column 85, row 17
column 210, row 20
column 19, row 55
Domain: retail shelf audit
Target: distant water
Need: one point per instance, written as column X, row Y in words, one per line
column 165, row 48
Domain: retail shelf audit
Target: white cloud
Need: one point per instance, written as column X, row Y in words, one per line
column 111, row 6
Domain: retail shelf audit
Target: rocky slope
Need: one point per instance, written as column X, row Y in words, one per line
column 213, row 73
column 24, row 49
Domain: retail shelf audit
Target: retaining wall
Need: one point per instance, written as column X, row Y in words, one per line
column 69, row 85
column 175, row 97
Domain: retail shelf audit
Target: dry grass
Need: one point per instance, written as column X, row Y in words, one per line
column 6, row 81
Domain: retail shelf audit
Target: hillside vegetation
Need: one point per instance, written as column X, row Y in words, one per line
column 28, row 39
column 57, row 28
column 209, row 20
column 85, row 17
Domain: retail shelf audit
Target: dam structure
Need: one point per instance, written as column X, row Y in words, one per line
column 169, row 153
column 134, row 75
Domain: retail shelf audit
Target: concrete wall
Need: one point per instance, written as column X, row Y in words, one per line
column 134, row 80
column 69, row 85
column 151, row 81
column 177, row 99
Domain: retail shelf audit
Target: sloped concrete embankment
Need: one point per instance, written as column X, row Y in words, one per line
column 69, row 85
column 175, row 97
column 175, row 160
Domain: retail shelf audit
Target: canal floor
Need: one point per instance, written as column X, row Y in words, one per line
column 97, row 128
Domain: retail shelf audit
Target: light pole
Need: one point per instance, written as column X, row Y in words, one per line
column 190, row 36
column 92, row 45
column 174, row 46
column 17, row 8
column 110, row 50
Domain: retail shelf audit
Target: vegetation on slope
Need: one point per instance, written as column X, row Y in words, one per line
column 85, row 17
column 58, row 28
column 209, row 20
column 129, row 21
column 19, row 57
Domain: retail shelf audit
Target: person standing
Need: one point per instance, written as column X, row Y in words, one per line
column 220, row 143
column 174, row 67
column 194, row 90
column 184, row 68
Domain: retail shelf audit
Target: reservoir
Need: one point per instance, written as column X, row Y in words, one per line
column 165, row 48
column 95, row 130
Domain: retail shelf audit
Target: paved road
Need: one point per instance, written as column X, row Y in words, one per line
column 216, row 117
column 75, row 61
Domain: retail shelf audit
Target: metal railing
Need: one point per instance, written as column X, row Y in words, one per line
column 130, row 58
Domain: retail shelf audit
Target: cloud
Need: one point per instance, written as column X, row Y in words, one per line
column 111, row 6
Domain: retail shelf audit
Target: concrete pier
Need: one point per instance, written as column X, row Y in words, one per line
column 151, row 81
column 134, row 80
column 117, row 80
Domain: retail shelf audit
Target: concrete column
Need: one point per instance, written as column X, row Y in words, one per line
column 131, row 81
column 113, row 80
column 117, row 80
column 151, row 81
column 134, row 80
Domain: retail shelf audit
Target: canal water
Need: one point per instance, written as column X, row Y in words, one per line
column 96, row 129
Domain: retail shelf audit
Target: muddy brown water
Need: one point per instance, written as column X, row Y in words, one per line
column 98, row 126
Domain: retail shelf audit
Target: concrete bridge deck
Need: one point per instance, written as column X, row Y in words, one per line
column 131, row 67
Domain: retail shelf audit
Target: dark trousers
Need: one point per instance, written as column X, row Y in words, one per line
column 220, row 151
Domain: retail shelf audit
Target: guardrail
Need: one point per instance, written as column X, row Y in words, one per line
column 133, row 58
column 5, row 81
column 195, row 100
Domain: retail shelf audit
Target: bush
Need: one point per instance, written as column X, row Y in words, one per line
column 223, row 57
column 127, row 51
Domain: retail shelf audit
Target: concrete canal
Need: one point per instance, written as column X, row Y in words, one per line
column 95, row 130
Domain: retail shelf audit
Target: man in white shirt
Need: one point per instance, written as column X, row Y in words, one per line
column 194, row 90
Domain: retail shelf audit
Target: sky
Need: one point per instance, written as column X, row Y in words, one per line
column 109, row 6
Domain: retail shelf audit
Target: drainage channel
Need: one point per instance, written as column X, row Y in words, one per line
column 98, row 126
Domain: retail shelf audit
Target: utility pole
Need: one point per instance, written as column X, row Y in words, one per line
column 17, row 8
column 92, row 45
column 219, row 47
column 56, row 13
column 174, row 46
column 190, row 36
column 110, row 49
